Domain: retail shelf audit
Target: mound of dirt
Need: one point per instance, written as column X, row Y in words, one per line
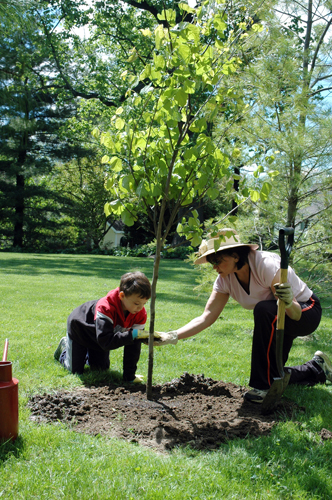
column 191, row 410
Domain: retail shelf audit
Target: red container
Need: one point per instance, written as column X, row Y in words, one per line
column 8, row 403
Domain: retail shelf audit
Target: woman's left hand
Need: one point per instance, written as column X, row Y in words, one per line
column 284, row 292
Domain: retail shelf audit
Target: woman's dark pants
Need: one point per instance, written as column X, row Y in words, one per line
column 263, row 356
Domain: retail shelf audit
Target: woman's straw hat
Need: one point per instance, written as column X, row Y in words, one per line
column 230, row 240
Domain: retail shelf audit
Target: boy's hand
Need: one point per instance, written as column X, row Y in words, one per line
column 284, row 292
column 164, row 338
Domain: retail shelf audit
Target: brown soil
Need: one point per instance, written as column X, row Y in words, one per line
column 192, row 410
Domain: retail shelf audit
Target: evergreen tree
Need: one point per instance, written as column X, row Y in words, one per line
column 31, row 116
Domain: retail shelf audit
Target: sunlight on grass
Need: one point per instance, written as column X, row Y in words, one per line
column 38, row 292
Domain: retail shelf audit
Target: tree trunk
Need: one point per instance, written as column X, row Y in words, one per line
column 152, row 318
column 296, row 170
column 19, row 212
column 236, row 186
column 20, row 185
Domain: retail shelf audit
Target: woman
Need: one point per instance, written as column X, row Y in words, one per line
column 252, row 278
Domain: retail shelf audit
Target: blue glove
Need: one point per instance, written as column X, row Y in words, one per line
column 139, row 334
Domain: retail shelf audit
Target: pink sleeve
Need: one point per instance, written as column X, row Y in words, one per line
column 267, row 266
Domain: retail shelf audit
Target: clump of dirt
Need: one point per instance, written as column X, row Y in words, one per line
column 325, row 434
column 191, row 410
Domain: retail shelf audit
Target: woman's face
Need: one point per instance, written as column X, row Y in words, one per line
column 226, row 265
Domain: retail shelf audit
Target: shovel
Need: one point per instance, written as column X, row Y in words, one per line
column 5, row 351
column 280, row 383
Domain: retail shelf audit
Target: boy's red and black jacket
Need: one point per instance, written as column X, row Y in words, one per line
column 101, row 324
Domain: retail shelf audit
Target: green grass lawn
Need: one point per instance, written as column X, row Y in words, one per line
column 38, row 292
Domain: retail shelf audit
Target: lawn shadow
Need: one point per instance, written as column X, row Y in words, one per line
column 313, row 401
column 101, row 266
column 10, row 449
column 106, row 267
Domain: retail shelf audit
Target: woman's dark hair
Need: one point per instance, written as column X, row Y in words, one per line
column 241, row 252
column 135, row 283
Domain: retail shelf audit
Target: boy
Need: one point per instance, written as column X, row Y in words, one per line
column 98, row 326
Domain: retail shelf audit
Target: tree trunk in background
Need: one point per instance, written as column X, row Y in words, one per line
column 19, row 212
column 236, row 185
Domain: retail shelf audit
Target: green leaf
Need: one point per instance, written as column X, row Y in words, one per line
column 265, row 191
column 107, row 209
column 198, row 125
column 189, row 87
column 203, row 181
column 213, row 193
column 107, row 141
column 127, row 218
column 168, row 15
column 190, row 154
column 146, row 32
column 116, row 207
column 179, row 228
column 109, row 184
column 181, row 97
column 105, row 159
column 257, row 28
column 186, row 7
column 142, row 189
column 184, row 52
column 254, row 195
column 116, row 164
column 236, row 153
column 193, row 33
column 146, row 72
column 258, row 171
column 141, row 144
column 133, row 56
column 119, row 123
column 196, row 240
column 159, row 36
column 127, row 182
column 159, row 62
column 219, row 23
column 156, row 190
column 95, row 133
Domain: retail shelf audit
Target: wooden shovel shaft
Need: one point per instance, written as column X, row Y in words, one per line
column 5, row 351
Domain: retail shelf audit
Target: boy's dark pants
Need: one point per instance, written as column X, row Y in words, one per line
column 263, row 356
column 76, row 356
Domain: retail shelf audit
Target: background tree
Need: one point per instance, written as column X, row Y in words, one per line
column 81, row 183
column 289, row 84
column 31, row 117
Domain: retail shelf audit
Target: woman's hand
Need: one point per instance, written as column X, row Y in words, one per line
column 284, row 292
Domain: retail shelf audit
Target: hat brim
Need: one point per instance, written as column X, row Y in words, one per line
column 202, row 258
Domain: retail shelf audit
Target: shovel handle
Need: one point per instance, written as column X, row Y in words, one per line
column 285, row 247
column 5, row 351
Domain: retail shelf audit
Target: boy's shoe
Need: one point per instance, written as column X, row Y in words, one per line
column 61, row 347
column 324, row 362
column 255, row 395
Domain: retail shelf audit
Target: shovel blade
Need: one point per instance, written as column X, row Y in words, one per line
column 275, row 392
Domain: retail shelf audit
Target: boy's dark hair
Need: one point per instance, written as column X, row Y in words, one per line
column 242, row 253
column 135, row 283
